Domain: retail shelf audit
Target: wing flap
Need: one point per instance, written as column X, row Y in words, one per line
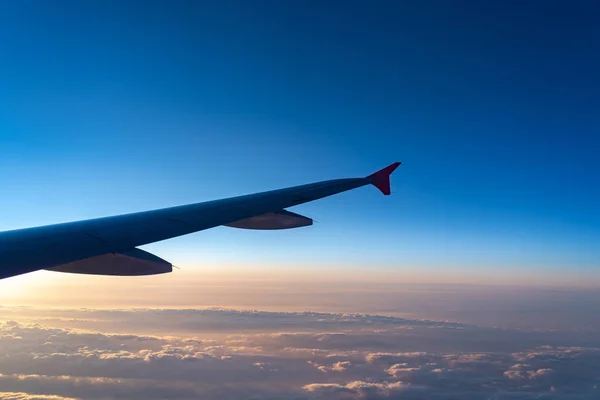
column 273, row 221
column 134, row 262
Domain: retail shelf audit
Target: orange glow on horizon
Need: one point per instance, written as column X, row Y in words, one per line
column 234, row 286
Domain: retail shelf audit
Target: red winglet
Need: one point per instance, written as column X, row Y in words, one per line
column 381, row 178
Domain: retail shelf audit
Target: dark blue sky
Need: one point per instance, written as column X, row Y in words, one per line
column 116, row 106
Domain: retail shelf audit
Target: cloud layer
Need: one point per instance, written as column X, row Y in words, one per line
column 228, row 354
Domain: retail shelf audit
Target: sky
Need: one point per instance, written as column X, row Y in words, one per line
column 113, row 107
column 478, row 279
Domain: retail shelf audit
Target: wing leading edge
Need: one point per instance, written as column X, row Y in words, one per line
column 31, row 249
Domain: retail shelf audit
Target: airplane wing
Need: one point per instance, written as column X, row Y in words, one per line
column 107, row 246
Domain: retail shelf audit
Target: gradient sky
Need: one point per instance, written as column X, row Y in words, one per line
column 109, row 107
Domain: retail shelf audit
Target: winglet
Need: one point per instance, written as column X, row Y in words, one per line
column 381, row 178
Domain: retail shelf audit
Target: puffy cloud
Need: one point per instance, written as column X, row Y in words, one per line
column 357, row 357
column 524, row 372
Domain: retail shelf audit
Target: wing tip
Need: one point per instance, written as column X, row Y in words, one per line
column 381, row 178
